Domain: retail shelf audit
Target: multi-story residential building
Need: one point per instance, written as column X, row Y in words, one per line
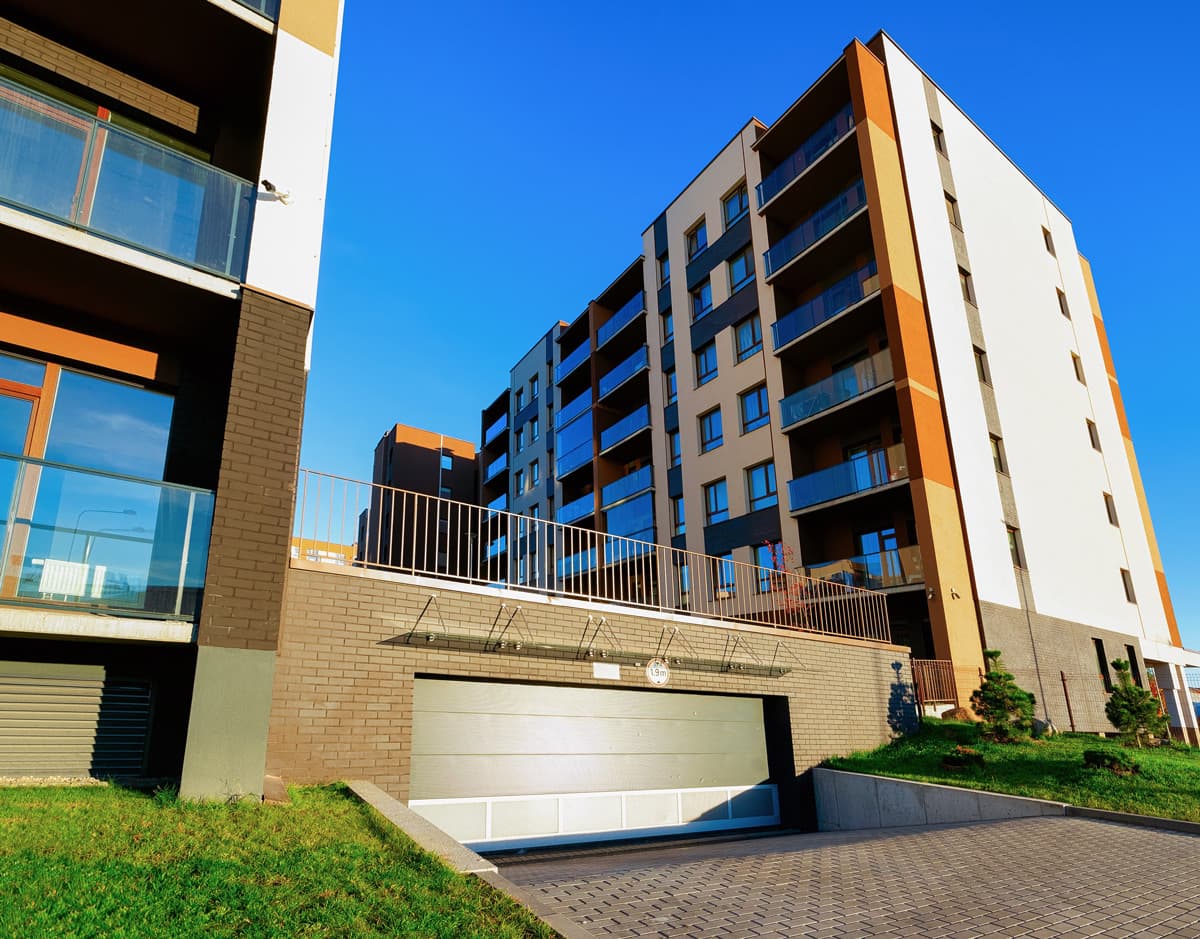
column 862, row 344
column 161, row 214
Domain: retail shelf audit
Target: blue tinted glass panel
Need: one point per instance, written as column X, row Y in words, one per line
column 14, row 423
column 22, row 371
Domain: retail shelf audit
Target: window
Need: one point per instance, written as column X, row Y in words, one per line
column 444, row 491
column 1134, row 672
column 724, row 576
column 981, row 366
column 1077, row 362
column 755, row 410
column 1111, row 508
column 710, row 431
column 741, row 269
column 684, row 582
column 533, row 387
column 668, row 326
column 671, row 386
column 519, row 399
column 760, row 486
column 968, row 287
column 952, row 211
column 535, row 474
column 447, row 462
column 535, row 511
column 748, row 335
column 998, row 456
column 1094, row 436
column 1049, row 241
column 1062, row 304
column 701, row 301
column 697, row 240
column 678, row 516
column 939, row 139
column 519, row 482
column 675, row 453
column 664, row 270
column 1102, row 661
column 716, row 502
column 520, row 439
column 1127, row 581
column 1015, row 548
column 764, row 559
column 706, row 363
column 735, row 204
column 534, row 429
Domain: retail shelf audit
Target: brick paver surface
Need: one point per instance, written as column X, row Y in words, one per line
column 1049, row 878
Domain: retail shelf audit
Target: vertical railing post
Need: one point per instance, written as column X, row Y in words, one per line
column 183, row 554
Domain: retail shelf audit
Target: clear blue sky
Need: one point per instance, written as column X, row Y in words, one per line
column 494, row 166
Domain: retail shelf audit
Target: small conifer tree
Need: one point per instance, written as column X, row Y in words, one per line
column 1005, row 709
column 1133, row 710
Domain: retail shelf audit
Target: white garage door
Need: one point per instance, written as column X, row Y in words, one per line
column 508, row 765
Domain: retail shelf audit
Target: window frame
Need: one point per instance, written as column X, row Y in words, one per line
column 664, row 270
column 939, row 139
column 716, row 501
column 770, row 496
column 742, row 194
column 981, row 365
column 755, row 324
column 1016, row 547
column 674, row 448
column 671, row 386
column 697, row 239
column 763, row 419
column 746, row 255
column 967, row 284
column 707, row 443
column 678, row 516
column 706, row 355
column 952, row 211
column 696, row 294
column 1094, row 435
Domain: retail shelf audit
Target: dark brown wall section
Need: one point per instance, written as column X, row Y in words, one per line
column 248, row 555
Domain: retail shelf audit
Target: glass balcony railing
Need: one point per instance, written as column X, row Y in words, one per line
column 859, row 474
column 615, row 551
column 841, row 386
column 622, row 318
column 67, row 165
column 499, row 425
column 87, row 539
column 899, row 567
column 498, row 465
column 575, row 510
column 825, row 137
column 814, row 228
column 268, row 8
column 573, row 361
column 638, row 362
column 630, row 485
column 497, row 547
column 574, row 458
column 498, row 504
column 570, row 411
column 626, row 427
column 839, row 296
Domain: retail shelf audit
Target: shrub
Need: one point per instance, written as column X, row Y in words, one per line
column 1133, row 711
column 1005, row 709
column 1113, row 760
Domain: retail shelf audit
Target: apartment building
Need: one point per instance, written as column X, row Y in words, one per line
column 863, row 345
column 161, row 214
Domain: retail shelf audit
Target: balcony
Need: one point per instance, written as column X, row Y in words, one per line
column 579, row 508
column 842, row 386
column 66, row 165
column 573, row 361
column 498, row 504
column 635, row 364
column 572, row 410
column 496, row 467
column 497, row 547
column 899, row 567
column 498, row 427
column 848, row 204
column 573, row 459
column 865, row 473
column 835, row 299
column 826, row 136
column 625, row 428
column 94, row 541
column 630, row 485
column 622, row 318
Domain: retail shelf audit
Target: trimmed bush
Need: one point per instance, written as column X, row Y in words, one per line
column 1134, row 711
column 1114, row 761
column 1005, row 709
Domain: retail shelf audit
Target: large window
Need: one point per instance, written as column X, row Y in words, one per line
column 697, row 239
column 706, row 363
column 716, row 502
column 755, row 410
column 748, row 334
column 711, row 435
column 701, row 301
column 741, row 269
column 735, row 205
column 760, row 486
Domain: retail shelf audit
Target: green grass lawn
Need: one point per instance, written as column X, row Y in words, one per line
column 1167, row 785
column 116, row 863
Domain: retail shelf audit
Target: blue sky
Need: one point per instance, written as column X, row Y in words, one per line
column 493, row 170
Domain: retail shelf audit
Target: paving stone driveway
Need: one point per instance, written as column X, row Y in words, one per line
column 1049, row 878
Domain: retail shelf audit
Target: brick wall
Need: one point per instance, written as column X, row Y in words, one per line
column 256, row 492
column 342, row 705
column 103, row 79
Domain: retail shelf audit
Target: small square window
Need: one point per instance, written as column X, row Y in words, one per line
column 939, row 139
column 1015, row 548
column 716, row 502
column 1127, row 581
column 706, row 363
column 671, row 387
column 711, row 435
column 674, row 448
column 447, row 462
column 1094, row 436
column 760, row 486
column 968, row 286
column 668, row 325
column 701, row 301
column 998, row 457
column 1077, row 363
column 952, row 211
column 748, row 335
column 741, row 270
column 1049, row 241
column 1111, row 508
column 664, row 271
column 735, row 205
column 981, row 366
column 755, row 409
column 1062, row 304
column 697, row 240
column 678, row 516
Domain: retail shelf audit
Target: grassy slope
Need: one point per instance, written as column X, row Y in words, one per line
column 1168, row 784
column 91, row 862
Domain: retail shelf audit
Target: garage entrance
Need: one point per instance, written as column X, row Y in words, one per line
column 504, row 765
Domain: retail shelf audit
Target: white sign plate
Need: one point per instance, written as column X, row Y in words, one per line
column 658, row 672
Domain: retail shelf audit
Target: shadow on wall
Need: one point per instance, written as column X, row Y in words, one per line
column 902, row 703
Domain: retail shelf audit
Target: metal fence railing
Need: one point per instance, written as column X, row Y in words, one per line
column 397, row 530
column 935, row 682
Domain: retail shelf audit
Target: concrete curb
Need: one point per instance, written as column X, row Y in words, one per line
column 1128, row 818
column 461, row 859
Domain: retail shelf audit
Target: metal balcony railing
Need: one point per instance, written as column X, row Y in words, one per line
column 573, row 361
column 103, row 542
column 576, row 509
column 625, row 428
column 498, row 426
column 622, row 318
column 828, row 134
column 839, row 296
column 572, row 410
column 629, row 485
column 417, row 534
column 898, row 567
column 840, row 387
column 815, row 227
column 860, row 474
column 618, row 375
column 67, row 165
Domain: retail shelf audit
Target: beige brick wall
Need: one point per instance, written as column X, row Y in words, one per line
column 343, row 699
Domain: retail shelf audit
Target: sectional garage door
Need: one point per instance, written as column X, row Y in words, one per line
column 71, row 720
column 505, row 765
